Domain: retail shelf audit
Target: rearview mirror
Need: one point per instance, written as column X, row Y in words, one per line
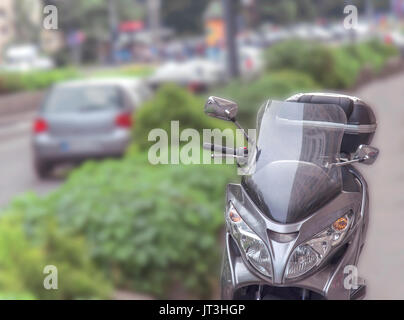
column 221, row 108
column 366, row 154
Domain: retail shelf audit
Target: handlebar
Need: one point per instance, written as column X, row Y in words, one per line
column 225, row 150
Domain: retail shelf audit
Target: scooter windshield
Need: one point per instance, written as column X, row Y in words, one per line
column 297, row 144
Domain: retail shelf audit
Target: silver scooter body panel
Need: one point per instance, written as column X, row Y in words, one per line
column 327, row 279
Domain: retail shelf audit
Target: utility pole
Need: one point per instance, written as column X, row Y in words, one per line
column 113, row 27
column 250, row 13
column 153, row 8
column 369, row 10
column 231, row 32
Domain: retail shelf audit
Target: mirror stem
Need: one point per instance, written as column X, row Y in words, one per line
column 249, row 140
column 340, row 164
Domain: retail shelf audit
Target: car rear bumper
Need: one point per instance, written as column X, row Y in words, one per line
column 52, row 148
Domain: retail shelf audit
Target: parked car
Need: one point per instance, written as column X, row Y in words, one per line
column 200, row 74
column 25, row 58
column 84, row 119
column 197, row 74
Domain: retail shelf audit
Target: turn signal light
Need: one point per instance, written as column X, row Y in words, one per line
column 340, row 224
column 234, row 216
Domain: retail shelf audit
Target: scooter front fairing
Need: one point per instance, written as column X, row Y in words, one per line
column 300, row 217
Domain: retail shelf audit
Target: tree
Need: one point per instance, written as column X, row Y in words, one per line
column 27, row 26
column 184, row 16
column 91, row 17
column 289, row 11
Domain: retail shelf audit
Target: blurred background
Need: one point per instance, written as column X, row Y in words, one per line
column 82, row 83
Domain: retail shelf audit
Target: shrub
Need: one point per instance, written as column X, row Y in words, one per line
column 331, row 67
column 20, row 263
column 35, row 80
column 272, row 85
column 364, row 54
column 38, row 80
column 314, row 59
column 172, row 102
column 384, row 49
column 142, row 229
column 346, row 71
column 126, row 71
column 23, row 257
column 147, row 227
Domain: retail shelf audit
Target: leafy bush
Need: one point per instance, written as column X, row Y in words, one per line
column 23, row 257
column 346, row 70
column 314, row 59
column 384, row 49
column 172, row 103
column 20, row 263
column 373, row 53
column 37, row 80
column 17, row 81
column 366, row 56
column 331, row 67
column 274, row 85
column 147, row 227
column 126, row 71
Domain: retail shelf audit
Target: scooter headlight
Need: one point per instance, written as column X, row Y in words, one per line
column 309, row 254
column 254, row 249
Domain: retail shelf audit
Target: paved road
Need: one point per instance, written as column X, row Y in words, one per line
column 382, row 261
column 16, row 171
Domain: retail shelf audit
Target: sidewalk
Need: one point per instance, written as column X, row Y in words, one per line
column 382, row 260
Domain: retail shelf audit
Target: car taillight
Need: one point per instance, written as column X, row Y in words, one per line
column 40, row 125
column 124, row 120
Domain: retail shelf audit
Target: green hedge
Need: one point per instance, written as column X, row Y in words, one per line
column 28, row 244
column 296, row 66
column 147, row 227
column 373, row 54
column 331, row 67
column 126, row 71
column 38, row 80
column 35, row 80
column 172, row 102
column 271, row 85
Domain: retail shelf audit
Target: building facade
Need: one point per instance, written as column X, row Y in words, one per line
column 6, row 23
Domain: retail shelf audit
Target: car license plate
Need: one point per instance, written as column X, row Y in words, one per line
column 78, row 146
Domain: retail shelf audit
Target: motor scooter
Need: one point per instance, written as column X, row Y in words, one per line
column 297, row 222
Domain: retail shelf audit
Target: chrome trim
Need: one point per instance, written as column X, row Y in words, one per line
column 324, row 94
column 348, row 128
column 361, row 128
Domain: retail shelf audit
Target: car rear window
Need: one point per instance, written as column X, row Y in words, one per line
column 83, row 98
